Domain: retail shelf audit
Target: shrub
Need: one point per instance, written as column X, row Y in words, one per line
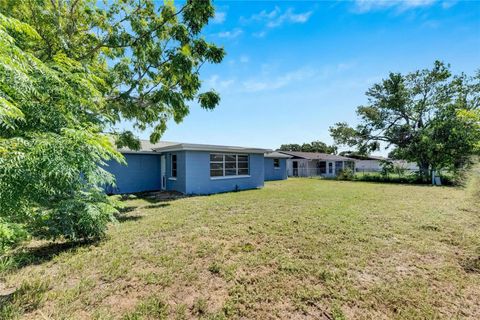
column 346, row 174
column 399, row 170
column 10, row 235
column 83, row 217
column 413, row 178
column 387, row 167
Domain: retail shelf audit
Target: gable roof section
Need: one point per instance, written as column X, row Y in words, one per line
column 147, row 147
column 276, row 155
column 315, row 156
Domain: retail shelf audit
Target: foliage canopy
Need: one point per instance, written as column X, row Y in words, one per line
column 70, row 71
column 428, row 116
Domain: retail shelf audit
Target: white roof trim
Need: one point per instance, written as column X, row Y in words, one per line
column 137, row 152
column 207, row 147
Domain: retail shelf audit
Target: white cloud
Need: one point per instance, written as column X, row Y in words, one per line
column 276, row 18
column 216, row 83
column 219, row 17
column 289, row 17
column 231, row 34
column 264, row 15
column 255, row 85
column 363, row 6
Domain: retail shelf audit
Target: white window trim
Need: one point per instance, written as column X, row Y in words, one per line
column 172, row 178
column 230, row 177
column 224, row 166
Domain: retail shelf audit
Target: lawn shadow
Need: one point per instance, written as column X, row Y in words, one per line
column 157, row 205
column 127, row 209
column 162, row 196
column 156, row 200
column 153, row 196
column 471, row 265
column 122, row 218
column 36, row 255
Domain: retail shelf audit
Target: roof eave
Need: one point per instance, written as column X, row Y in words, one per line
column 137, row 152
column 210, row 148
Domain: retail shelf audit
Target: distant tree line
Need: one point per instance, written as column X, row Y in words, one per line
column 314, row 146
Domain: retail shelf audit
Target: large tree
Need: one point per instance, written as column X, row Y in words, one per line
column 70, row 71
column 147, row 56
column 425, row 116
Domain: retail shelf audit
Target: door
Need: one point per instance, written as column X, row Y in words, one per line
column 330, row 168
column 321, row 167
column 163, row 170
column 295, row 168
column 338, row 167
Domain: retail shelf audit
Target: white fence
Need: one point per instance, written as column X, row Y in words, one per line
column 308, row 172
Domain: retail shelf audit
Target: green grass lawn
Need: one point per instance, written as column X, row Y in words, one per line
column 297, row 249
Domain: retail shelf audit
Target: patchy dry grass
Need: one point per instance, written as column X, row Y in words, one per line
column 297, row 249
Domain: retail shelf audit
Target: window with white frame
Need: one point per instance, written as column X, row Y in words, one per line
column 225, row 164
column 276, row 163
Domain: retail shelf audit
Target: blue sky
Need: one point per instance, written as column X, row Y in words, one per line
column 294, row 68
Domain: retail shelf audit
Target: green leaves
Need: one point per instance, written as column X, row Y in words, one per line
column 9, row 114
column 208, row 100
column 51, row 146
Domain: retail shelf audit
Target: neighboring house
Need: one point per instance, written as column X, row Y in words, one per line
column 374, row 164
column 189, row 168
column 309, row 164
column 275, row 166
column 409, row 166
column 368, row 163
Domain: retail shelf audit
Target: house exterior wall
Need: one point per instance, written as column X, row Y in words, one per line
column 272, row 173
column 198, row 180
column 142, row 173
column 367, row 165
column 176, row 183
column 375, row 165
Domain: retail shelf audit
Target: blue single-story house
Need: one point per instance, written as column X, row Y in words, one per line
column 194, row 168
column 275, row 166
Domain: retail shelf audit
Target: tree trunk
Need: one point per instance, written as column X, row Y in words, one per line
column 424, row 169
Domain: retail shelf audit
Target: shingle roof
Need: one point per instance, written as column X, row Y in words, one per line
column 315, row 156
column 147, row 147
column 360, row 157
column 276, row 154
